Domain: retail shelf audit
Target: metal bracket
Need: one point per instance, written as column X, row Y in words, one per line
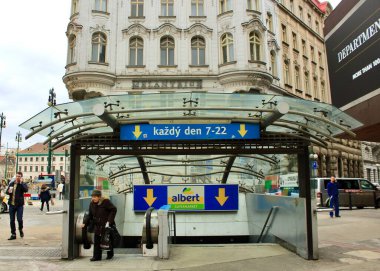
column 323, row 112
column 58, row 114
column 341, row 122
column 111, row 104
column 37, row 126
column 191, row 102
column 270, row 103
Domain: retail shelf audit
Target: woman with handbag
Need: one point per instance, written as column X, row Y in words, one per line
column 102, row 213
column 45, row 196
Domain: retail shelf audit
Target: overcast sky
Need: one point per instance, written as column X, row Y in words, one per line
column 32, row 60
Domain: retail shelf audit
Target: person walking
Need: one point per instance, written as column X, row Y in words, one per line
column 16, row 190
column 60, row 190
column 102, row 214
column 333, row 192
column 45, row 197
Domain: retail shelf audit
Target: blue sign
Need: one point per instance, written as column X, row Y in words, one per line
column 189, row 131
column 187, row 197
column 315, row 165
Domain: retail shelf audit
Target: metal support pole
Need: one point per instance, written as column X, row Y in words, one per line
column 349, row 200
column 18, row 139
column 2, row 125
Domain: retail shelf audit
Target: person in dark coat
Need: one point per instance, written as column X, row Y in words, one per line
column 16, row 190
column 45, row 196
column 102, row 212
column 333, row 192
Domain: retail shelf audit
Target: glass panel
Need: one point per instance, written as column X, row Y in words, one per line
column 132, row 57
column 163, row 56
column 231, row 52
column 171, row 56
column 134, row 10
column 102, row 55
column 94, row 56
column 202, row 57
column 141, row 10
column 140, row 56
column 194, row 56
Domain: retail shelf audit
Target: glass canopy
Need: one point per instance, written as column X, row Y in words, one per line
column 312, row 121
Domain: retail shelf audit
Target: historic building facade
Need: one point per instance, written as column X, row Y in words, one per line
column 257, row 46
column 371, row 161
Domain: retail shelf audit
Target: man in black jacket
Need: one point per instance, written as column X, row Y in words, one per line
column 16, row 190
column 102, row 212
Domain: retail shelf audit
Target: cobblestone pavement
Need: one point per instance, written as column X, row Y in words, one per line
column 351, row 242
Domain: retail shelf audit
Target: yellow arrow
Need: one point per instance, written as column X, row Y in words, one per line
column 149, row 197
column 242, row 130
column 222, row 196
column 137, row 131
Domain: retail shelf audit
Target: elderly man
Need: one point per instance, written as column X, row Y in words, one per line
column 333, row 192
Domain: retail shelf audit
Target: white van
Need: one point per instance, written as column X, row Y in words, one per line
column 360, row 192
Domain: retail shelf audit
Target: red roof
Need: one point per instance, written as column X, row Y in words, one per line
column 39, row 148
column 320, row 5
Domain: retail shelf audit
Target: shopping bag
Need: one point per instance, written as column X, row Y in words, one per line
column 106, row 240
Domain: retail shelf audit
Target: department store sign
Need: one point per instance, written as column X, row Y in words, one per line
column 166, row 84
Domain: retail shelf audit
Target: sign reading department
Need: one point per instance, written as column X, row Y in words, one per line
column 189, row 131
column 186, row 197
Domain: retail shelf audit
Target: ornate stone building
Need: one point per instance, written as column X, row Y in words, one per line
column 258, row 46
column 371, row 161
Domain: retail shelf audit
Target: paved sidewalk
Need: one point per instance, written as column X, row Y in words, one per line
column 348, row 243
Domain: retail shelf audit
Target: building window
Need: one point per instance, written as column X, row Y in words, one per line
column 36, row 168
column 26, row 159
column 315, row 87
column 307, row 84
column 369, row 174
column 167, row 7
column 255, row 46
column 304, row 47
column 61, row 168
column 317, row 27
column 301, row 13
column 167, row 51
column 227, row 42
column 42, row 169
column 312, row 53
column 61, row 159
column 286, row 73
column 30, row 169
column 323, row 91
column 36, row 159
column 253, row 4
column 20, row 159
column 25, row 168
column 53, row 169
column 224, row 5
column 137, row 8
column 291, row 6
column 273, row 62
column 295, row 43
column 101, row 5
column 320, row 60
column 297, row 78
column 19, row 168
column 198, row 48
column 99, row 44
column 136, row 49
column 284, row 33
column 309, row 20
column 74, row 6
column 53, row 159
column 270, row 22
column 42, row 159
column 31, row 159
column 71, row 53
column 197, row 7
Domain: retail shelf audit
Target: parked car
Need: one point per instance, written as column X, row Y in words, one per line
column 362, row 192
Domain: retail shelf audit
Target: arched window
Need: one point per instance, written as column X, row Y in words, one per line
column 255, row 46
column 198, row 47
column 323, row 91
column 136, row 49
column 137, row 8
column 71, row 53
column 101, row 5
column 99, row 45
column 227, row 42
column 297, row 78
column 167, row 7
column 197, row 7
column 315, row 87
column 167, row 51
column 273, row 62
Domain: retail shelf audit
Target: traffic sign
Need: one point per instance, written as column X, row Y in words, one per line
column 187, row 197
column 189, row 131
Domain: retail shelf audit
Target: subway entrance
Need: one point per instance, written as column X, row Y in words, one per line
column 222, row 187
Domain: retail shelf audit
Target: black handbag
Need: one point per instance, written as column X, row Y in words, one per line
column 106, row 240
column 116, row 238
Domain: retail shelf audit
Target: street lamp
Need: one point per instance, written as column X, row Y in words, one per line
column 51, row 102
column 18, row 139
column 6, row 164
column 2, row 125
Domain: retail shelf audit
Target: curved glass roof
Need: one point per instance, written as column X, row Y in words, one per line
column 313, row 119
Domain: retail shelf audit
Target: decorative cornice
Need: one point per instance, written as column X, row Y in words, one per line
column 99, row 28
column 254, row 24
column 73, row 28
column 136, row 29
column 167, row 29
column 273, row 45
column 198, row 29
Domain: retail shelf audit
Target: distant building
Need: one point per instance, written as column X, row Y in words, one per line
column 33, row 160
column 371, row 161
column 7, row 165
